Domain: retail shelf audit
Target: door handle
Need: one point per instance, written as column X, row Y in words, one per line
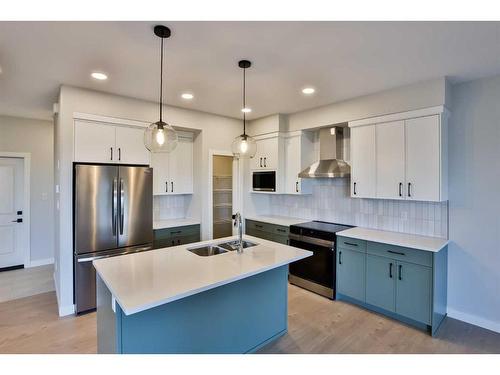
column 354, row 189
column 409, row 189
column 114, row 205
column 122, row 202
column 17, row 220
column 400, row 189
column 111, row 148
column 390, row 270
column 340, row 257
column 400, row 272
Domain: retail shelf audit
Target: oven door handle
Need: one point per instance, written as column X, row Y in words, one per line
column 312, row 240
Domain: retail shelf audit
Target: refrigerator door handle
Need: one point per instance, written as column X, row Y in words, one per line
column 122, row 203
column 114, row 205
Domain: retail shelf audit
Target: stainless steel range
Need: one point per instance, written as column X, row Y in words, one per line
column 316, row 273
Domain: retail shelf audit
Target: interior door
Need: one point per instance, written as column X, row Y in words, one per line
column 423, row 158
column 95, row 142
column 363, row 162
column 130, row 146
column 12, row 233
column 135, row 213
column 390, row 160
column 96, row 206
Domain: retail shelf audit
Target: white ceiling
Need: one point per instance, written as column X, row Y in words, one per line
column 340, row 59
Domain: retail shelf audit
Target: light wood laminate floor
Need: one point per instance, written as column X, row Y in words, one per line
column 26, row 282
column 316, row 325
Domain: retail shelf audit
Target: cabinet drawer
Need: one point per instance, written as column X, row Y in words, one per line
column 351, row 244
column 259, row 233
column 258, row 225
column 281, row 230
column 400, row 253
column 188, row 230
column 280, row 239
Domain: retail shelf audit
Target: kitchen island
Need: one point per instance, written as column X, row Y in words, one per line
column 174, row 301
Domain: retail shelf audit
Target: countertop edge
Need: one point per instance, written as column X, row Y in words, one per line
column 366, row 237
column 277, row 220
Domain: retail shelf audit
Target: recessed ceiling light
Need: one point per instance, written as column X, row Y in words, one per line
column 308, row 90
column 187, row 96
column 246, row 110
column 99, row 76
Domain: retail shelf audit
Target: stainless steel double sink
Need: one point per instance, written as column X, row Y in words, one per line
column 221, row 248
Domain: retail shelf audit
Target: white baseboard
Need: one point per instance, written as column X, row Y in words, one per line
column 475, row 320
column 63, row 310
column 39, row 262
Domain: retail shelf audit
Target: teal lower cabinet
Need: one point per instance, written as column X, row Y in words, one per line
column 405, row 284
column 270, row 232
column 351, row 273
column 380, row 282
column 168, row 237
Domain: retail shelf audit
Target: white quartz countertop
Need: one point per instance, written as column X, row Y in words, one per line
column 413, row 241
column 172, row 223
column 278, row 220
column 148, row 279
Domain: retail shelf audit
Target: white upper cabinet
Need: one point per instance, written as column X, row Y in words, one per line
column 267, row 155
column 95, row 143
column 173, row 172
column 423, row 159
column 299, row 154
column 363, row 166
column 405, row 158
column 130, row 145
column 390, row 159
column 98, row 142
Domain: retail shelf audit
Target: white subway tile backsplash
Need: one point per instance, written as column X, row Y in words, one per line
column 166, row 207
column 331, row 201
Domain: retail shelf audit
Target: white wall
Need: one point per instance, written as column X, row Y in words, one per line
column 36, row 137
column 474, row 187
column 217, row 132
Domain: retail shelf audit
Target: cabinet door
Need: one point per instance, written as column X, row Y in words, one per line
column 363, row 161
column 292, row 165
column 413, row 291
column 390, row 160
column 161, row 182
column 351, row 273
column 380, row 282
column 130, row 146
column 269, row 152
column 181, row 168
column 423, row 158
column 95, row 142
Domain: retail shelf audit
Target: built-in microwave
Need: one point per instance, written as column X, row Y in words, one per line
column 264, row 181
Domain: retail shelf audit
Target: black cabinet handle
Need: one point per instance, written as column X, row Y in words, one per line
column 340, row 257
column 281, row 230
column 166, row 186
column 395, row 252
column 261, row 162
column 178, row 242
column 172, row 186
column 390, row 270
column 173, row 243
column 409, row 189
column 258, row 226
column 119, row 153
column 17, row 220
column 400, row 189
column 400, row 272
column 176, row 232
column 297, row 186
column 265, row 164
column 111, row 148
column 354, row 188
column 350, row 243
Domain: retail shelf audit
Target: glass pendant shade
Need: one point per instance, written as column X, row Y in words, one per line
column 160, row 137
column 244, row 147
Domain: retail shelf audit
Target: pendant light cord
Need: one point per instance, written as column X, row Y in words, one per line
column 161, row 80
column 244, row 101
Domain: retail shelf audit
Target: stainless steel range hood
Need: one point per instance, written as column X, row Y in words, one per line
column 331, row 162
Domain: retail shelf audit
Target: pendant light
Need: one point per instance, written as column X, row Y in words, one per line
column 160, row 136
column 244, row 146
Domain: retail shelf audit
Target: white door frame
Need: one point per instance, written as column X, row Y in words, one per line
column 26, row 156
column 237, row 183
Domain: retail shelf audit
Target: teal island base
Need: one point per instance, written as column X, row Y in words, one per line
column 239, row 317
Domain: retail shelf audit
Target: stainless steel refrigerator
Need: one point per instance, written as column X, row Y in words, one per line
column 113, row 215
